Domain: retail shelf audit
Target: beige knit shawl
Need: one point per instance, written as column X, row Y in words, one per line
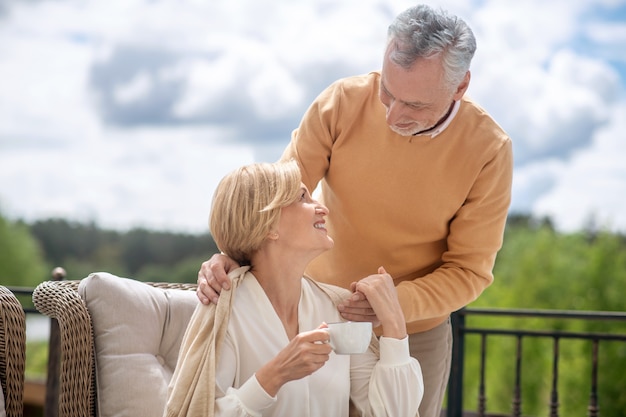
column 191, row 391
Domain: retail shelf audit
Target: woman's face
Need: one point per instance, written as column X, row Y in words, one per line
column 302, row 225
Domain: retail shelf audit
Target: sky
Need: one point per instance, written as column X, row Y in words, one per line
column 127, row 113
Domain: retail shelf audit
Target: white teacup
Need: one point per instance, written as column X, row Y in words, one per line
column 350, row 337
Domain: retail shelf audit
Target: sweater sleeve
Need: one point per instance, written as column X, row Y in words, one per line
column 475, row 237
column 311, row 143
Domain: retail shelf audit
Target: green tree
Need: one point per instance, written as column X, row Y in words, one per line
column 21, row 260
column 82, row 249
column 185, row 271
column 140, row 247
column 62, row 239
column 539, row 268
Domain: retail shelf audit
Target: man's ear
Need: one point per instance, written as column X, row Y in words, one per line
column 462, row 87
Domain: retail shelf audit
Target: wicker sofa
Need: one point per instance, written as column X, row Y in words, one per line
column 12, row 352
column 119, row 342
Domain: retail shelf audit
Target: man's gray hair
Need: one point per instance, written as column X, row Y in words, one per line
column 421, row 32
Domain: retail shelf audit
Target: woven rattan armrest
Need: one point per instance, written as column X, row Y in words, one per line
column 77, row 381
column 60, row 300
column 12, row 352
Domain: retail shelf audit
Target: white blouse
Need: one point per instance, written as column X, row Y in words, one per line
column 391, row 386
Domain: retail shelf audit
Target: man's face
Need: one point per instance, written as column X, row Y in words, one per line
column 415, row 99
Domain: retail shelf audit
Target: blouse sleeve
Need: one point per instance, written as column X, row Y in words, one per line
column 249, row 400
column 391, row 386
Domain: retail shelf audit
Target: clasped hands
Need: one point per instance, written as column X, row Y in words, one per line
column 373, row 298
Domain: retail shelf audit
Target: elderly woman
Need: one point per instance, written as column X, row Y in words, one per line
column 263, row 350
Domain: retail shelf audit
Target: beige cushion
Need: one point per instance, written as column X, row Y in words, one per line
column 137, row 330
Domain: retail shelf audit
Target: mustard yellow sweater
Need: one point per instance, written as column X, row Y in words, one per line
column 431, row 210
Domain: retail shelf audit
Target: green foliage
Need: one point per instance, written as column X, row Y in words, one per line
column 36, row 360
column 185, row 271
column 537, row 268
column 138, row 253
column 21, row 259
column 61, row 239
column 141, row 247
column 541, row 269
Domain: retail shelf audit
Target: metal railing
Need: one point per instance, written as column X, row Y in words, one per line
column 22, row 294
column 461, row 331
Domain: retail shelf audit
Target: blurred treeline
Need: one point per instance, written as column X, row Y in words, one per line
column 28, row 253
column 537, row 268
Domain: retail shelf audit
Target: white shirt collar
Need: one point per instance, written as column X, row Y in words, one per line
column 436, row 131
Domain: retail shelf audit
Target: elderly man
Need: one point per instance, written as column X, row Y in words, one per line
column 417, row 179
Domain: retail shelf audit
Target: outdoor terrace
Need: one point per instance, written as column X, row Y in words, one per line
column 476, row 331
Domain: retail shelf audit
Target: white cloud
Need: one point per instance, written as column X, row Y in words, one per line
column 593, row 184
column 253, row 71
column 124, row 179
column 127, row 112
column 587, row 76
column 532, row 181
column 274, row 91
column 549, row 98
column 206, row 82
column 43, row 89
column 137, row 88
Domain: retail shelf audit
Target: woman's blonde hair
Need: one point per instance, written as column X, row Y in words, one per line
column 247, row 204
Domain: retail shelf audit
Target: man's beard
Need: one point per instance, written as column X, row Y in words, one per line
column 420, row 128
column 411, row 131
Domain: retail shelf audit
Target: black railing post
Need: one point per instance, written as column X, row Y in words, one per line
column 455, row 384
column 482, row 396
column 554, row 395
column 517, row 390
column 593, row 409
column 51, row 406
